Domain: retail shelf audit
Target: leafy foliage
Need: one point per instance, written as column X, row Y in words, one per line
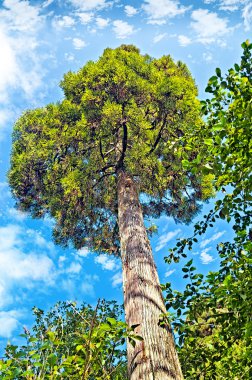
column 213, row 321
column 213, row 315
column 71, row 342
column 128, row 111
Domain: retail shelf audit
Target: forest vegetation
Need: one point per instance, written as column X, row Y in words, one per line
column 130, row 125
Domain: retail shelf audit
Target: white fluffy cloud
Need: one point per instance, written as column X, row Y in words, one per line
column 245, row 6
column 247, row 16
column 122, row 29
column 74, row 268
column 17, row 215
column 205, row 257
column 107, row 262
column 83, row 252
column 163, row 239
column 231, row 5
column 85, row 17
column 117, row 279
column 184, row 40
column 101, row 22
column 17, row 267
column 20, row 65
column 214, row 237
column 209, row 26
column 63, row 22
column 78, row 43
column 21, row 16
column 88, row 5
column 130, row 11
column 9, row 70
column 160, row 10
column 8, row 322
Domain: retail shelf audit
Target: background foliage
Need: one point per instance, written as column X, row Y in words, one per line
column 71, row 342
column 213, row 315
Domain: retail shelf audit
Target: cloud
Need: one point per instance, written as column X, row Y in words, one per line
column 209, row 26
column 19, row 268
column 211, row 239
column 61, row 260
column 184, row 40
column 39, row 240
column 87, row 286
column 4, row 191
column 63, row 22
column 130, row 11
column 47, row 3
column 247, row 16
column 69, row 57
column 88, row 289
column 8, row 68
column 231, row 5
column 89, row 5
column 8, row 322
column 160, row 10
column 74, row 268
column 122, row 29
column 169, row 272
column 117, row 279
column 205, row 257
column 20, row 64
column 101, row 22
column 21, row 16
column 159, row 37
column 163, row 239
column 106, row 262
column 83, row 252
column 79, row 43
column 69, row 285
column 5, row 114
column 17, row 215
column 207, row 56
column 85, row 17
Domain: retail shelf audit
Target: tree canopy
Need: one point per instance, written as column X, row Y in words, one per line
column 125, row 110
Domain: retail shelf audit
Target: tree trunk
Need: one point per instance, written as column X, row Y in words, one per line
column 155, row 357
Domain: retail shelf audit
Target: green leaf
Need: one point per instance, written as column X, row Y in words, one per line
column 224, row 84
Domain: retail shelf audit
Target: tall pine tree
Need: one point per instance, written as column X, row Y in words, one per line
column 115, row 150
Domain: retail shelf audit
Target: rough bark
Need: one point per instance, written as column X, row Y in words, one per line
column 155, row 357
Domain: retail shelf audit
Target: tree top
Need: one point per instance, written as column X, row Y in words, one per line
column 126, row 111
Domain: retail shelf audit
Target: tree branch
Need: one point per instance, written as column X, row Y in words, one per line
column 124, row 145
column 158, row 136
column 105, row 168
column 102, row 177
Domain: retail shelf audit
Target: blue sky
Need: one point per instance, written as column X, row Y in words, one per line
column 40, row 41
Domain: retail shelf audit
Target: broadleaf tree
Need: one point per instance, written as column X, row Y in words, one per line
column 216, row 336
column 70, row 342
column 109, row 154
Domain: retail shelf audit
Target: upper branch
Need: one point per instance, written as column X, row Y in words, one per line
column 158, row 136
